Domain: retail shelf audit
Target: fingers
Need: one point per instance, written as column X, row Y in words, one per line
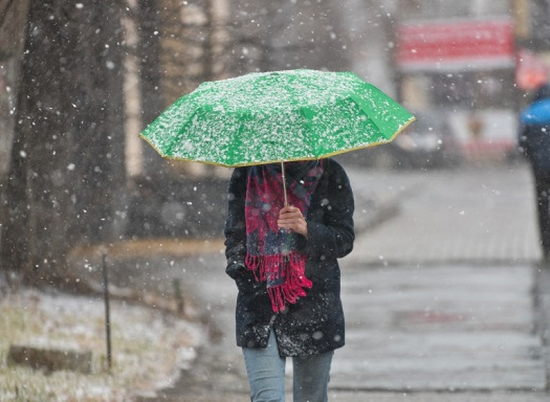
column 289, row 214
column 291, row 218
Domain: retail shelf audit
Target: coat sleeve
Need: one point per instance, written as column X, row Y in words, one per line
column 334, row 236
column 235, row 229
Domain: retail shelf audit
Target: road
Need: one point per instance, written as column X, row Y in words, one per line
column 445, row 299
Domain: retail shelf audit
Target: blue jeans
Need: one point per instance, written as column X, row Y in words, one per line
column 266, row 374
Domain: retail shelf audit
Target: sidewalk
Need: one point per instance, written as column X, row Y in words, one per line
column 456, row 298
column 468, row 214
column 451, row 328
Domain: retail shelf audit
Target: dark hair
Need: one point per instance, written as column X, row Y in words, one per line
column 542, row 93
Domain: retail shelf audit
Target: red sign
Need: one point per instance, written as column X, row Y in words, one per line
column 453, row 45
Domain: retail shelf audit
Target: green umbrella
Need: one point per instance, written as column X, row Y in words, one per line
column 272, row 117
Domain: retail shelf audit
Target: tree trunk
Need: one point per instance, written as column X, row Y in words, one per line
column 66, row 181
column 149, row 75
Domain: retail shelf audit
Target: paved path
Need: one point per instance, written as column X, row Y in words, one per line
column 440, row 328
column 449, row 302
column 479, row 214
column 444, row 302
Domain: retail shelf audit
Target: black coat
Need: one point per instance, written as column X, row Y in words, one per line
column 534, row 140
column 315, row 324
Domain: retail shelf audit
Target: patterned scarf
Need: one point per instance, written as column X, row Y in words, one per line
column 271, row 253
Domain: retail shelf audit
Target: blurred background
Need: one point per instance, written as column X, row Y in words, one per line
column 80, row 80
column 444, row 290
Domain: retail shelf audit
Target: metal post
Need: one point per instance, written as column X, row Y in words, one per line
column 107, row 311
column 178, row 295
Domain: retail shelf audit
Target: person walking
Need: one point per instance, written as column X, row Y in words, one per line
column 534, row 142
column 283, row 258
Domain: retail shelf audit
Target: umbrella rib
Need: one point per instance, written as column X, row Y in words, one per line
column 308, row 116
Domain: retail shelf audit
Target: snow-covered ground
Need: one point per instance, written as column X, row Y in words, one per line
column 148, row 346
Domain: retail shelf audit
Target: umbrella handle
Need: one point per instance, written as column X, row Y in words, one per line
column 286, row 250
column 284, row 182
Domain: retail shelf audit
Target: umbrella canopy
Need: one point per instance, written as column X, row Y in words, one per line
column 272, row 117
column 537, row 113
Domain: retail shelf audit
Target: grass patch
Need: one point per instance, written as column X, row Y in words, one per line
column 148, row 347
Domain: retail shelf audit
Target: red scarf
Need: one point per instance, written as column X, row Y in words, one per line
column 271, row 252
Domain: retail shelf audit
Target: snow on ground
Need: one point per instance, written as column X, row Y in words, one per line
column 148, row 347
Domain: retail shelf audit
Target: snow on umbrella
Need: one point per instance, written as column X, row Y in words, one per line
column 262, row 118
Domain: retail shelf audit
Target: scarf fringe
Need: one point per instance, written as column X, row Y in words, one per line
column 289, row 270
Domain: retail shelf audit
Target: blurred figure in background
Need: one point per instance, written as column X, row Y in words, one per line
column 534, row 142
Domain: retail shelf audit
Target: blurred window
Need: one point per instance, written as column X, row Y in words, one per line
column 428, row 9
column 473, row 89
